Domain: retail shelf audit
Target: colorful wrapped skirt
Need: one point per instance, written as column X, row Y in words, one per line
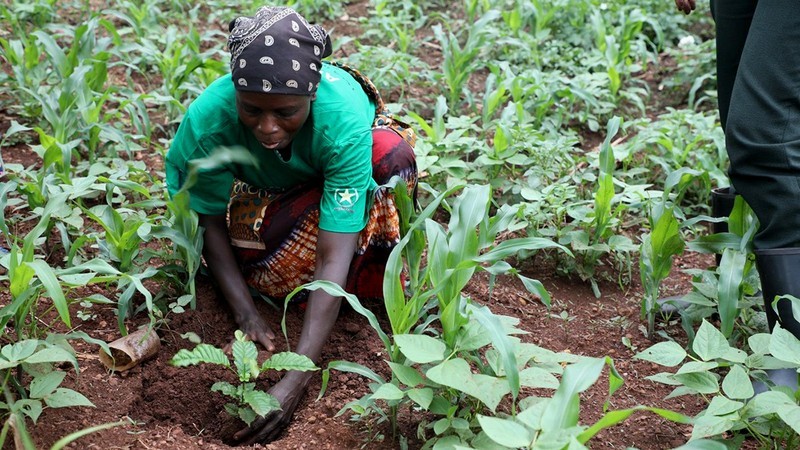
column 274, row 235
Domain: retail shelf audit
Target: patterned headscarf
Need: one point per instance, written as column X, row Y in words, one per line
column 277, row 51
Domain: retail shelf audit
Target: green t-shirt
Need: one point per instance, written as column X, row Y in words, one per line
column 334, row 148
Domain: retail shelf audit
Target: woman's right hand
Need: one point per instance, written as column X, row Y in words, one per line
column 225, row 270
column 257, row 330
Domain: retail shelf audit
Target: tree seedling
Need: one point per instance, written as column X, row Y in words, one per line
column 249, row 402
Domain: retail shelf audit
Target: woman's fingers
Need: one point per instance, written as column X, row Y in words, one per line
column 685, row 6
column 265, row 339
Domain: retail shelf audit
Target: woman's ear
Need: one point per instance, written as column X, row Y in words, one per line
column 313, row 96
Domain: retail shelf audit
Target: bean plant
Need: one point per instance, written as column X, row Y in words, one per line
column 724, row 377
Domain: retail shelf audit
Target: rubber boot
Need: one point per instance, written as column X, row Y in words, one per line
column 779, row 270
column 722, row 200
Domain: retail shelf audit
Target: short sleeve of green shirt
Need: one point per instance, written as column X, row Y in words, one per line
column 210, row 192
column 209, row 123
column 342, row 124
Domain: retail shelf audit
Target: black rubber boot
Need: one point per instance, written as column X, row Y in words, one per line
column 722, row 200
column 779, row 270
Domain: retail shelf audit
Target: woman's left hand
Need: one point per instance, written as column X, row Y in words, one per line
column 289, row 391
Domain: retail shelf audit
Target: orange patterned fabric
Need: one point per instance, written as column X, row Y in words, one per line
column 274, row 234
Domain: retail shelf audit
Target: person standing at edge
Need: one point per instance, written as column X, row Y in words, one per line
column 312, row 208
column 758, row 64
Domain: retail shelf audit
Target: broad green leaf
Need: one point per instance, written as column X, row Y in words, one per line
column 419, row 348
column 44, row 385
column 735, row 355
column 759, row 343
column 261, row 402
column 679, row 391
column 709, row 343
column 289, row 361
column 247, row 415
column 50, row 355
column 19, row 351
column 784, row 345
column 536, row 377
column 448, row 442
column 422, row 397
column 708, row 425
column 31, row 408
column 737, row 384
column 664, row 378
column 456, row 373
column 766, row 403
column 697, row 366
column 531, row 416
column 562, row 411
column 666, row 353
column 203, row 353
column 441, row 425
column 472, row 336
column 78, row 279
column 63, row 397
column 791, row 416
column 702, row 382
column 224, row 388
column 536, row 287
column 615, row 380
column 721, row 406
column 407, row 375
column 505, row 432
column 387, row 391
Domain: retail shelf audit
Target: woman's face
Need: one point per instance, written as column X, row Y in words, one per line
column 274, row 119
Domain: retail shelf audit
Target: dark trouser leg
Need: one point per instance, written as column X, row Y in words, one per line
column 763, row 141
column 732, row 19
column 763, row 128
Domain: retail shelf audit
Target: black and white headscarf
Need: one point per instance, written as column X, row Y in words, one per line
column 277, row 51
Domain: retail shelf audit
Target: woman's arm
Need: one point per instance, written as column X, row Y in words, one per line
column 223, row 267
column 334, row 255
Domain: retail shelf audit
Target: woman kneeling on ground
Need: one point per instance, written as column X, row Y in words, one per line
column 311, row 208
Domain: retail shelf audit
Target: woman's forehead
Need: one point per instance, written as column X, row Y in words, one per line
column 272, row 101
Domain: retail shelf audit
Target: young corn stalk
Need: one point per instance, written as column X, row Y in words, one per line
column 461, row 61
column 664, row 241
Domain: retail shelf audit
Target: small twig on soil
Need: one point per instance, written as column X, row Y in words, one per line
column 431, row 45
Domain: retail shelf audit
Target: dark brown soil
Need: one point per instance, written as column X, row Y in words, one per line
column 168, row 407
